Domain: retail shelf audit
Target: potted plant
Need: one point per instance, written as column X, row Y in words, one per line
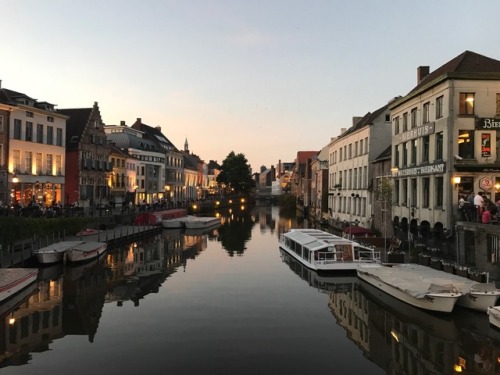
column 436, row 263
column 448, row 266
column 395, row 257
column 424, row 259
column 479, row 276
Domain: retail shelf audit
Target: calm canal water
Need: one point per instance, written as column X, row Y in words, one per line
column 228, row 302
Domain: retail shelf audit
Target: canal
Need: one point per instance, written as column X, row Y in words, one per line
column 228, row 302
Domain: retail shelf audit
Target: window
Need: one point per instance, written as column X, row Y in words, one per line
column 361, row 151
column 50, row 135
column 59, row 165
column 396, row 192
column 59, row 140
column 27, row 161
column 414, row 195
column 1, row 154
column 439, row 192
column 350, row 150
column 39, row 165
column 439, row 107
column 39, row 133
column 497, row 106
column 405, row 154
column 405, row 121
column 17, row 129
column 355, row 148
column 466, row 104
column 17, row 161
column 425, row 116
column 425, row 149
column 439, row 146
column 1, row 124
column 29, row 131
column 396, row 155
column 49, row 165
column 29, row 114
column 413, row 119
column 425, row 192
column 404, row 192
column 50, row 119
column 466, row 144
column 413, row 155
column 366, row 145
column 396, row 125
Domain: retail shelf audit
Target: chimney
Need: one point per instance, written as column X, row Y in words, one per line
column 139, row 120
column 342, row 130
column 122, row 123
column 158, row 128
column 422, row 72
column 356, row 119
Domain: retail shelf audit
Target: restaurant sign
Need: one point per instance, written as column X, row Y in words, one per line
column 487, row 123
column 422, row 170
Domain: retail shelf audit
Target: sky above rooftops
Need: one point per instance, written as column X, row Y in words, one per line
column 265, row 78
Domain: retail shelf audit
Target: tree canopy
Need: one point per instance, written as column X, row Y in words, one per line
column 235, row 174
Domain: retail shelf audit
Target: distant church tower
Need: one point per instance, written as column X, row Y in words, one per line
column 186, row 146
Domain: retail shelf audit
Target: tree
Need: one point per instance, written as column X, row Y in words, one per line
column 235, row 174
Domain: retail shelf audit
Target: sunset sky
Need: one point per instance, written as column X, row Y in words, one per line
column 265, row 78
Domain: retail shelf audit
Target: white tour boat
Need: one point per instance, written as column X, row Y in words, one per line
column 323, row 251
column 85, row 251
column 54, row 253
column 404, row 282
column 198, row 222
column 13, row 280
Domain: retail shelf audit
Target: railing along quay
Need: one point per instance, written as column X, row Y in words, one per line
column 22, row 251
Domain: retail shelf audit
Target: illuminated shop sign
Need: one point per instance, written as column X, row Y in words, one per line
column 487, row 123
column 422, row 170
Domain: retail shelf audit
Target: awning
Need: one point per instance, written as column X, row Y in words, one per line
column 357, row 231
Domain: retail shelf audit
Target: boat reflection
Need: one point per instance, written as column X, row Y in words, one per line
column 402, row 339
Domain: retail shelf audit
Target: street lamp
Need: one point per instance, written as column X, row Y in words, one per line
column 15, row 181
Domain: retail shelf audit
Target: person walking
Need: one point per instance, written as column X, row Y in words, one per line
column 479, row 204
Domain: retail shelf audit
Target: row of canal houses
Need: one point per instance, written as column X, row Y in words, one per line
column 69, row 156
column 404, row 166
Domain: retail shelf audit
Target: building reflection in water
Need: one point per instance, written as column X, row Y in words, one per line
column 32, row 319
column 401, row 339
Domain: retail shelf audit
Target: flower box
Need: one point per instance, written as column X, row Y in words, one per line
column 463, row 272
column 479, row 277
column 450, row 268
column 436, row 264
column 396, row 258
column 424, row 260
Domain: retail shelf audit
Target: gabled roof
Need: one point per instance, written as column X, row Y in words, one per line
column 466, row 62
column 213, row 165
column 384, row 155
column 154, row 135
column 366, row 120
column 127, row 140
column 190, row 161
column 78, row 119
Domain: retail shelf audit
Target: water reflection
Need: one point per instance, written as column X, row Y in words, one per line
column 236, row 231
column 401, row 339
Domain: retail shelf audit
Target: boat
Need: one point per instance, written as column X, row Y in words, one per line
column 14, row 280
column 404, row 282
column 85, row 251
column 156, row 217
column 54, row 253
column 494, row 316
column 175, row 223
column 87, row 232
column 197, row 222
column 323, row 251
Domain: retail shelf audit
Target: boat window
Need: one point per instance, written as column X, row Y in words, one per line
column 346, row 252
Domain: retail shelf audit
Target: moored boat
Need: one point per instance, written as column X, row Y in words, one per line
column 13, row 280
column 85, row 251
column 54, row 253
column 323, row 251
column 198, row 222
column 175, row 223
column 406, row 284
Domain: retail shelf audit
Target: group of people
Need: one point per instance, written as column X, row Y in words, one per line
column 478, row 207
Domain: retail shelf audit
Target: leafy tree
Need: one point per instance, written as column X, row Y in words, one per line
column 235, row 174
